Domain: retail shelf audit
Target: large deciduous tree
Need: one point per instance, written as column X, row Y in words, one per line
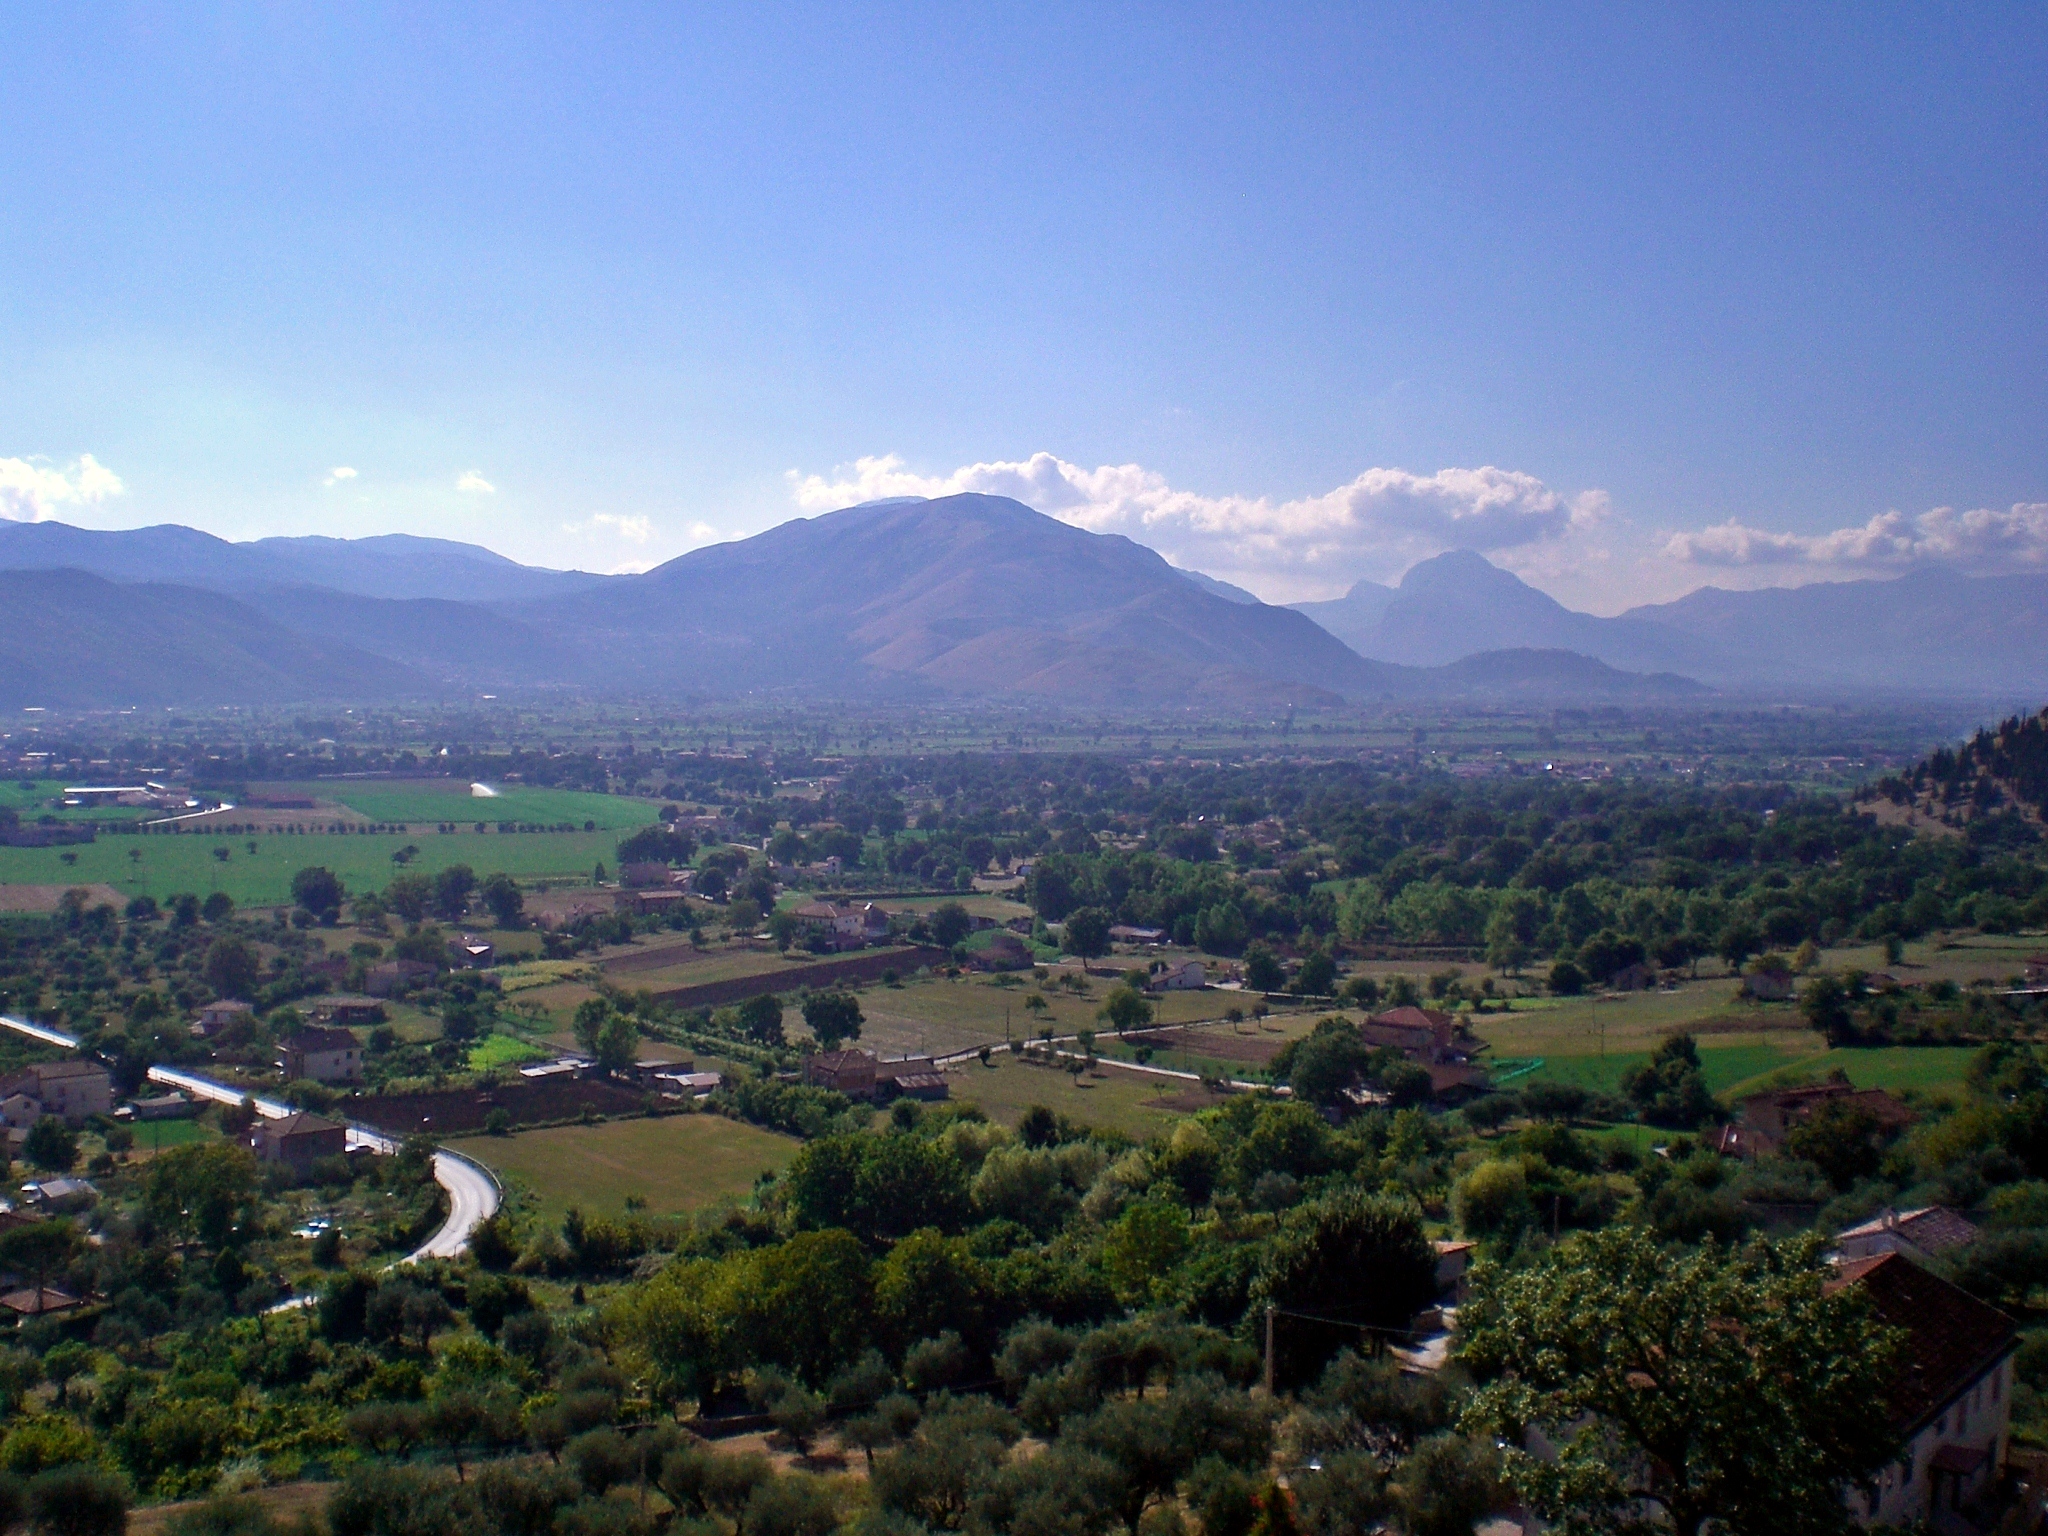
column 1726, row 1389
column 833, row 1017
column 320, row 892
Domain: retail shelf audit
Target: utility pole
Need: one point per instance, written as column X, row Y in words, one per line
column 1270, row 1313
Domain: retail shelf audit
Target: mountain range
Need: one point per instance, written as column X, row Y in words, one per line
column 1934, row 632
column 966, row 595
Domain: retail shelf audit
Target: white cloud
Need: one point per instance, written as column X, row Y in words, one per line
column 1983, row 539
column 30, row 489
column 472, row 482
column 339, row 473
column 635, row 528
column 1375, row 525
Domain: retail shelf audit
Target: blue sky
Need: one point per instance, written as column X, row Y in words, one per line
column 1715, row 295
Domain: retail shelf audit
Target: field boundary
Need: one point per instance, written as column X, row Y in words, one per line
column 870, row 967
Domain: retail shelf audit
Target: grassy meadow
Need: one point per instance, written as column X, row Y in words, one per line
column 436, row 800
column 258, row 868
column 678, row 1163
column 1108, row 1098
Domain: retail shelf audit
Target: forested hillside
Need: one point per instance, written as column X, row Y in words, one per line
column 2004, row 765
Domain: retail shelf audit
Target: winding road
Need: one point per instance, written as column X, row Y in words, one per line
column 473, row 1193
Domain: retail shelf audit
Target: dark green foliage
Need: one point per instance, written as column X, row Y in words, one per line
column 1345, row 1261
column 833, row 1018
column 1670, row 1089
column 877, row 1187
column 1262, row 972
column 1321, row 1065
column 950, row 924
column 50, row 1145
column 319, row 891
column 77, row 1501
column 1087, row 932
column 761, row 1018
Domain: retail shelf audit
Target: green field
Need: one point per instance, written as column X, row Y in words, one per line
column 32, row 802
column 501, row 1051
column 677, row 1164
column 161, row 1135
column 161, row 865
column 1110, row 1099
column 1725, row 1066
column 435, row 800
column 1923, row 1068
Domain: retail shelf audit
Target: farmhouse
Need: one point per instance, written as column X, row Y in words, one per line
column 1920, row 1234
column 1633, row 978
column 843, row 925
column 321, row 1055
column 1765, row 1118
column 849, row 1072
column 859, row 1075
column 1124, row 933
column 653, row 899
column 71, row 1090
column 389, row 978
column 216, row 1016
column 1951, row 1402
column 1769, row 986
column 298, row 1140
column 1178, row 976
column 39, row 1301
column 1423, row 1035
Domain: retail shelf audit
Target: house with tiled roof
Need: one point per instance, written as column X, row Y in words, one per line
column 1768, row 1116
column 1951, row 1398
column 73, row 1090
column 1435, row 1041
column 1919, row 1234
column 321, row 1055
column 298, row 1140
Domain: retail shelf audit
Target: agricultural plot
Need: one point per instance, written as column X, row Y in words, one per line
column 1901, row 1068
column 1110, row 1099
column 1726, row 1065
column 677, row 1164
column 937, row 1013
column 437, row 800
column 258, row 870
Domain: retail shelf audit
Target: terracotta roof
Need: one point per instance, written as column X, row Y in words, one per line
column 34, row 1303
column 315, row 1037
column 1413, row 1018
column 300, row 1123
column 1953, row 1338
column 1931, row 1229
column 71, row 1068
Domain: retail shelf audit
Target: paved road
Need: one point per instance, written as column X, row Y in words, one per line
column 472, row 1192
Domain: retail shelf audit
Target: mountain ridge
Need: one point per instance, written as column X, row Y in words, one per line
column 903, row 599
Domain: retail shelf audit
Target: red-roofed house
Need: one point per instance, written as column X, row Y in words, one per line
column 1766, row 1117
column 1951, row 1402
column 298, row 1140
column 1921, row 1234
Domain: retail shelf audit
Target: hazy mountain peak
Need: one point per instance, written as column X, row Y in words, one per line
column 1223, row 589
